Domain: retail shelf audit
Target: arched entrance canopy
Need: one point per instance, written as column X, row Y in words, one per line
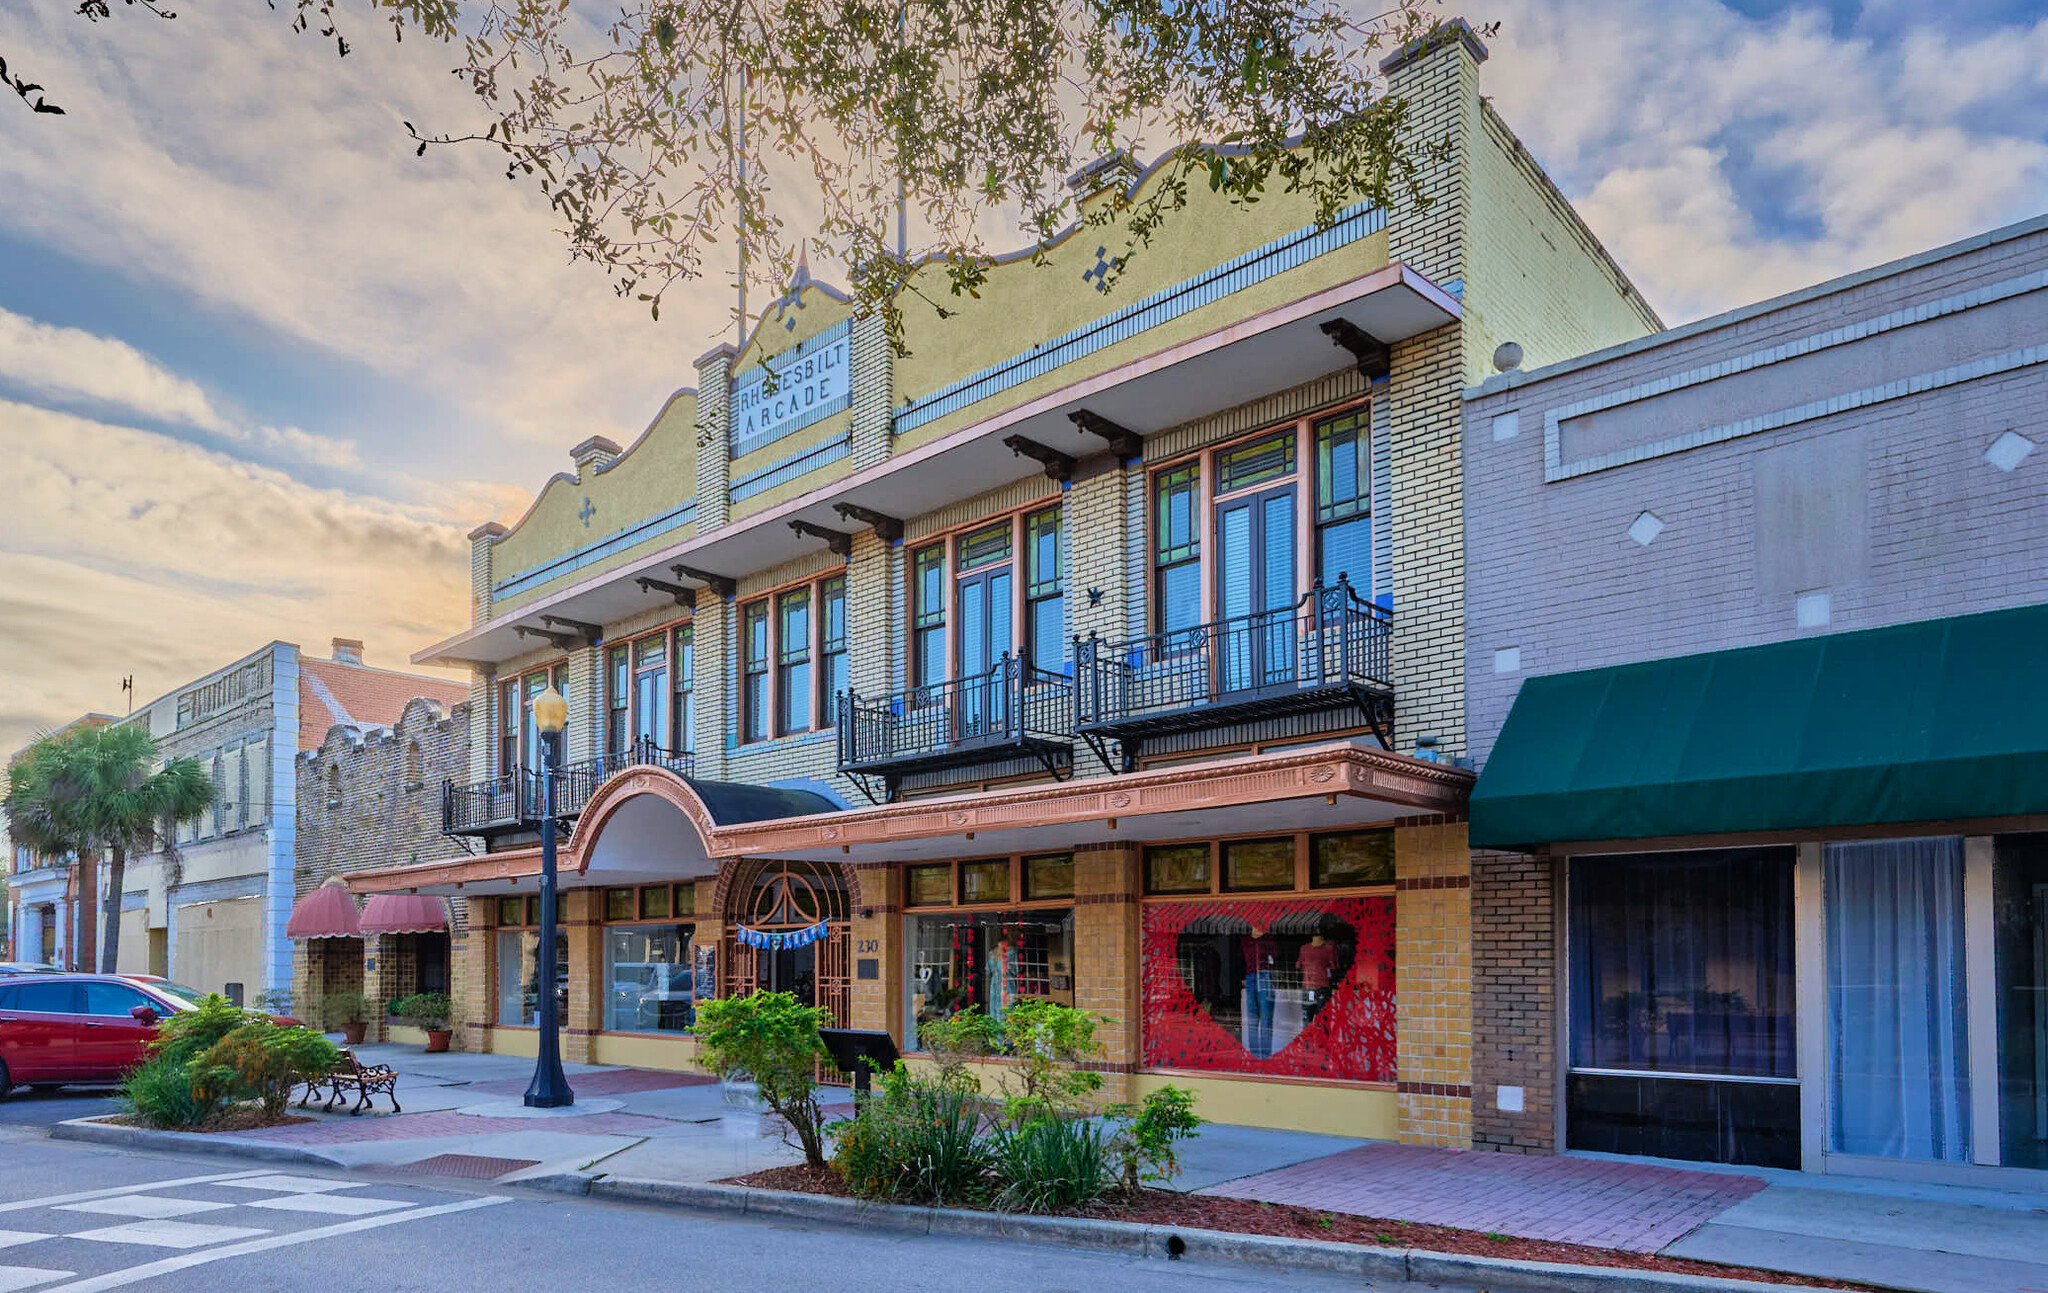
column 654, row 823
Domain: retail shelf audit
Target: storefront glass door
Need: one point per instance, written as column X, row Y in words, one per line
column 1898, row 1053
column 2020, row 921
column 1256, row 573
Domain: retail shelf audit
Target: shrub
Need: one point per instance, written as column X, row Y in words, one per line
column 344, row 1008
column 159, row 1092
column 263, row 1062
column 1048, row 1040
column 914, row 1140
column 1143, row 1141
column 186, row 1035
column 955, row 1042
column 772, row 1037
column 1050, row 1163
column 432, row 1011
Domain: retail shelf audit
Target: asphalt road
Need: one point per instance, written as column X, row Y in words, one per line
column 75, row 1218
column 47, row 1108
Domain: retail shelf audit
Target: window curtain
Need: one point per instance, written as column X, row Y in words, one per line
column 1898, row 1053
column 1682, row 962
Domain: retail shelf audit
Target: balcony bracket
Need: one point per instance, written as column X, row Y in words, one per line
column 1375, row 358
column 889, row 529
column 560, row 641
column 1378, row 708
column 1057, row 465
column 723, row 585
column 686, row 597
column 839, row 542
column 1123, row 441
column 588, row 632
column 1125, row 756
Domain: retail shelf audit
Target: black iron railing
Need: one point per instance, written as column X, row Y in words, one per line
column 1330, row 648
column 512, row 801
column 1011, row 710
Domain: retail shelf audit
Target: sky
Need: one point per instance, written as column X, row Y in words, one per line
column 261, row 368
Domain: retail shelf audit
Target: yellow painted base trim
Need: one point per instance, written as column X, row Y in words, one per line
column 1290, row 1106
column 515, row 1041
column 404, row 1035
column 673, row 1054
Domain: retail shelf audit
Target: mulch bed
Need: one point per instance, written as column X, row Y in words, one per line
column 1249, row 1217
column 249, row 1119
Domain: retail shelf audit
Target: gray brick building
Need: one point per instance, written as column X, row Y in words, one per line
column 1751, row 660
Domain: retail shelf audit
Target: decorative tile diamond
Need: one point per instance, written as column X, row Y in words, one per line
column 2008, row 451
column 1645, row 529
column 1099, row 274
column 1507, row 660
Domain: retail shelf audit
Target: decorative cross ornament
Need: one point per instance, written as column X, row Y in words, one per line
column 589, row 510
column 1100, row 274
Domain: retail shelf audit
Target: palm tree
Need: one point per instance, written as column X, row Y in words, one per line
column 97, row 789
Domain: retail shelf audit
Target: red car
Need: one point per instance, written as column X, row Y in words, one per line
column 57, row 1029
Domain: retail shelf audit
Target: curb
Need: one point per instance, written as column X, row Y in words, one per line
column 1273, row 1252
column 93, row 1132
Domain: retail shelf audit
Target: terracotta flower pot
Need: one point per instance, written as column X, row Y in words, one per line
column 352, row 1033
column 437, row 1039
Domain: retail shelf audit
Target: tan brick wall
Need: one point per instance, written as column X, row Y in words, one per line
column 581, row 922
column 1106, row 956
column 878, row 1003
column 470, row 975
column 1433, row 984
column 1515, row 941
column 714, row 438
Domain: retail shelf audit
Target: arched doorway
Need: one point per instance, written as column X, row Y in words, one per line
column 768, row 895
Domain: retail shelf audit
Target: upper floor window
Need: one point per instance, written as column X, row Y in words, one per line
column 1344, row 500
column 518, row 736
column 686, row 688
column 962, row 627
column 648, row 688
column 1177, row 547
column 793, row 659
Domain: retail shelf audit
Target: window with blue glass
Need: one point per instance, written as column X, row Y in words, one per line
column 1044, row 600
column 754, row 672
column 1344, row 501
column 793, row 661
column 1177, row 547
column 928, row 615
column 832, row 678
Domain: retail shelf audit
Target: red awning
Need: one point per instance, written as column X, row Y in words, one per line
column 404, row 913
column 327, row 912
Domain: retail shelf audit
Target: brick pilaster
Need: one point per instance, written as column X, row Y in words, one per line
column 873, row 391
column 582, row 924
column 878, row 1002
column 1514, row 990
column 714, row 437
column 470, row 976
column 1106, row 956
column 1433, row 984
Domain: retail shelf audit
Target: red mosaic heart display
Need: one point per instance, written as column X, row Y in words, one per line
column 1350, row 1038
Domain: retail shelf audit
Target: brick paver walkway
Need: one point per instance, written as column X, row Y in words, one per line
column 406, row 1126
column 606, row 1082
column 1631, row 1206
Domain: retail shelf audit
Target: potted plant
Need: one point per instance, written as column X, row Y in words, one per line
column 348, row 1011
column 431, row 1012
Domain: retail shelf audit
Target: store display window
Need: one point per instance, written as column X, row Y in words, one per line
column 1300, row 987
column 987, row 959
column 649, row 986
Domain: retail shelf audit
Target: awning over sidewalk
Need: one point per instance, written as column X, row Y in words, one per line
column 404, row 913
column 1942, row 720
column 327, row 912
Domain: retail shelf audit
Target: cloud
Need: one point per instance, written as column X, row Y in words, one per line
column 306, row 446
column 72, row 364
column 126, row 551
column 1725, row 159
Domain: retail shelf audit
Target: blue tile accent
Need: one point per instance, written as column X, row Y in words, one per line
column 675, row 517
column 1236, row 274
column 790, row 468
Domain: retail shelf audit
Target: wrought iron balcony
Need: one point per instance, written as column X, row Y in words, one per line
column 1330, row 650
column 1012, row 711
column 512, row 801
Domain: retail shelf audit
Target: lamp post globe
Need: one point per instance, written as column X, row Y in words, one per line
column 550, row 1086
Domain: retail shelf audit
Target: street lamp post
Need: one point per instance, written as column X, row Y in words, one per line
column 550, row 1086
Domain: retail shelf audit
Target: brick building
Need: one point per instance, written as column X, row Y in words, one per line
column 371, row 797
column 1755, row 665
column 1106, row 647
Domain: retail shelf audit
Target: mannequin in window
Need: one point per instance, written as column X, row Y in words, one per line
column 1318, row 961
column 1002, row 977
column 1260, row 953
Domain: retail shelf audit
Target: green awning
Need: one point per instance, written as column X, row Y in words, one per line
column 1934, row 721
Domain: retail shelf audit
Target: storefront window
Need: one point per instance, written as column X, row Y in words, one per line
column 1049, row 876
column 2019, row 895
column 519, row 976
column 1351, row 859
column 928, row 886
column 1297, row 987
column 1681, row 1006
column 985, row 881
column 1258, row 864
column 988, row 959
column 648, row 983
column 1177, row 868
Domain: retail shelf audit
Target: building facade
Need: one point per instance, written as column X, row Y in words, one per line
column 1755, row 665
column 1106, row 647
column 213, row 917
column 371, row 797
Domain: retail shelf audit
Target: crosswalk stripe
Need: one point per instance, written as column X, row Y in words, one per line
column 53, row 1200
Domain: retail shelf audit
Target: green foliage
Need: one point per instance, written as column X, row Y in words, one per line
column 159, row 1092
column 183, row 1037
column 772, row 1038
column 1047, row 1041
column 1051, row 1163
column 1145, row 1134
column 344, row 1008
column 916, row 1141
column 956, row 1041
column 432, row 1011
column 263, row 1062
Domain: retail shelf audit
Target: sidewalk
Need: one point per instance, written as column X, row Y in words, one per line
column 463, row 1118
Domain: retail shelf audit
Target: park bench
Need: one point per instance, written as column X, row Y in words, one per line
column 350, row 1074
